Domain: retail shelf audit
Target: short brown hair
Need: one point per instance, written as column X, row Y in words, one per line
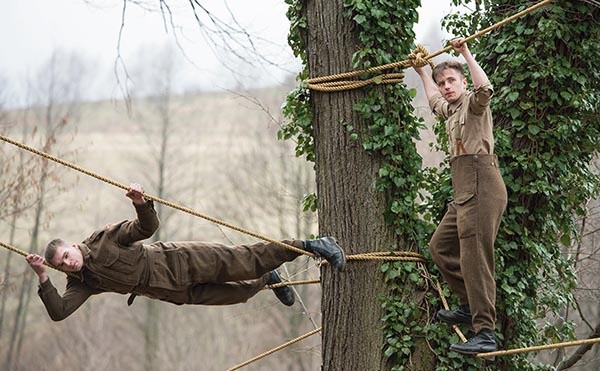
column 452, row 64
column 51, row 247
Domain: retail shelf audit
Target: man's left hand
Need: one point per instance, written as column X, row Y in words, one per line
column 136, row 193
column 459, row 45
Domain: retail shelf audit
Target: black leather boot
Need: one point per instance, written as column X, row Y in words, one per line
column 458, row 316
column 483, row 342
column 328, row 249
column 284, row 293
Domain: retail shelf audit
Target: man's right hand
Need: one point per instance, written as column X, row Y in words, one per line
column 36, row 263
column 428, row 84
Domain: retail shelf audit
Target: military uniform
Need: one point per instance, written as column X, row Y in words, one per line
column 178, row 272
column 463, row 244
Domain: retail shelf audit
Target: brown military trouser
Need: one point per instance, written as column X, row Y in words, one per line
column 217, row 274
column 463, row 244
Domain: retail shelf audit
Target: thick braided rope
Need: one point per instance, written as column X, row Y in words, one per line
column 373, row 256
column 262, row 355
column 24, row 253
column 387, row 76
column 441, row 294
column 419, row 55
column 538, row 347
column 290, row 283
column 400, row 255
column 18, row 251
column 436, row 283
column 417, row 58
column 390, row 78
column 156, row 199
column 386, row 255
column 462, row 337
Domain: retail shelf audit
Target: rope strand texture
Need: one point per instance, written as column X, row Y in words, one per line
column 399, row 255
column 538, row 347
column 262, row 355
column 418, row 58
column 154, row 198
column 24, row 253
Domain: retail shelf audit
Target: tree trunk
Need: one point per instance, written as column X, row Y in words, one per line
column 9, row 254
column 151, row 329
column 16, row 201
column 350, row 208
column 28, row 279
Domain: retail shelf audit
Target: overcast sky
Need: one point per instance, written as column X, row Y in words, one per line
column 30, row 30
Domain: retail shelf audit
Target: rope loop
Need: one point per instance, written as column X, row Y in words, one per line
column 419, row 57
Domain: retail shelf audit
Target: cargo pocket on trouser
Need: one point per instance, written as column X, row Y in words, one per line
column 466, row 214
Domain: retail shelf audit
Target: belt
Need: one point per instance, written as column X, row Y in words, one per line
column 142, row 285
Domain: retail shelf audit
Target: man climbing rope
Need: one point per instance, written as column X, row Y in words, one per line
column 113, row 259
column 463, row 244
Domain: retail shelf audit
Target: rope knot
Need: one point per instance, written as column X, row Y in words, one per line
column 418, row 57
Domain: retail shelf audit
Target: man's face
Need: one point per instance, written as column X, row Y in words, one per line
column 68, row 258
column 451, row 84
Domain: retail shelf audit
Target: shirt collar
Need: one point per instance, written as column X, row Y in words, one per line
column 454, row 106
column 85, row 251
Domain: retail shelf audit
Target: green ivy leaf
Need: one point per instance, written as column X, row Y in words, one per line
column 533, row 129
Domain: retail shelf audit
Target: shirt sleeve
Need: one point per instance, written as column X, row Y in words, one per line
column 142, row 227
column 60, row 307
column 439, row 106
column 480, row 98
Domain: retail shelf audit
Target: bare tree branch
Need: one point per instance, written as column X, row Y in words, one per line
column 120, row 64
column 579, row 352
column 229, row 41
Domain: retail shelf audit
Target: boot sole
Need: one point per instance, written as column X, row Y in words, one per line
column 343, row 258
column 468, row 353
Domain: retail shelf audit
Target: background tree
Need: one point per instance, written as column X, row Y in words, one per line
column 17, row 192
column 282, row 181
column 159, row 168
column 15, row 186
column 241, row 54
column 368, row 174
column 585, row 312
column 53, row 93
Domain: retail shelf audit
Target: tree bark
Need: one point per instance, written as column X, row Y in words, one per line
column 350, row 208
column 28, row 279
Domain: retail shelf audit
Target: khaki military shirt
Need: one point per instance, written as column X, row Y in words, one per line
column 469, row 118
column 114, row 260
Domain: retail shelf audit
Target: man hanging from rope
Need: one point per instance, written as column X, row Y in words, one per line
column 113, row 259
column 463, row 244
